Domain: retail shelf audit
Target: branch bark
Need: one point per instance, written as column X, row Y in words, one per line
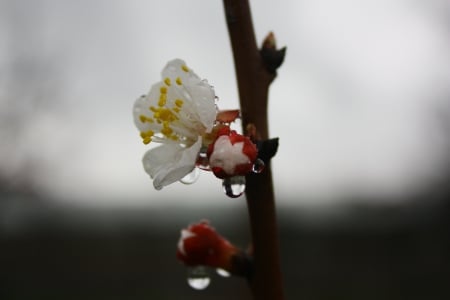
column 254, row 79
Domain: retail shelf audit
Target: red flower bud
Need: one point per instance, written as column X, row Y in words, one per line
column 231, row 154
column 200, row 244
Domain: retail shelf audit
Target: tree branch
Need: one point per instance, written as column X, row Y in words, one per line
column 254, row 76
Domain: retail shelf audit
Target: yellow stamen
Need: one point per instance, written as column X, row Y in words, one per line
column 147, row 140
column 179, row 103
column 163, row 89
column 167, row 81
column 145, row 134
column 166, row 115
column 178, row 81
column 162, row 100
column 166, row 130
column 185, row 68
column 144, row 119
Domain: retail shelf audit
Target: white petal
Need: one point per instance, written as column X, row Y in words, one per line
column 227, row 156
column 140, row 108
column 169, row 163
column 178, row 68
column 203, row 97
column 201, row 94
column 142, row 104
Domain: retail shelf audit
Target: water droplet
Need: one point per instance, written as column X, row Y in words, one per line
column 202, row 159
column 234, row 186
column 191, row 177
column 258, row 166
column 198, row 278
column 223, row 273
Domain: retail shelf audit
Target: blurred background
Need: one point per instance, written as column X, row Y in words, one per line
column 361, row 106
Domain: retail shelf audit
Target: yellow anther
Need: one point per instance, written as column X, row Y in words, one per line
column 166, row 115
column 166, row 130
column 178, row 81
column 153, row 109
column 144, row 119
column 176, row 109
column 163, row 89
column 147, row 140
column 145, row 134
column 174, row 137
column 167, row 81
column 185, row 68
column 179, row 103
column 162, row 100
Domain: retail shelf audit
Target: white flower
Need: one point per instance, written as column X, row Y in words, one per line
column 177, row 112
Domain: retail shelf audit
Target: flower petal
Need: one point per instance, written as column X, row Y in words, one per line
column 169, row 163
column 197, row 91
column 203, row 98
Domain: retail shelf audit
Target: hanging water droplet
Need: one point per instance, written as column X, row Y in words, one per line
column 158, row 187
column 234, row 186
column 191, row 177
column 202, row 159
column 223, row 273
column 198, row 278
column 258, row 166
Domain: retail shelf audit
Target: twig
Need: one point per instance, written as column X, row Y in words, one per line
column 254, row 76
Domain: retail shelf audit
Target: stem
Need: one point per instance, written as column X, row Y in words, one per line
column 253, row 82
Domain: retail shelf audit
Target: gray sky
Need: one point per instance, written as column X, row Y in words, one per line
column 358, row 104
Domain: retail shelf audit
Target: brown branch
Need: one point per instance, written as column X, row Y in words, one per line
column 254, row 77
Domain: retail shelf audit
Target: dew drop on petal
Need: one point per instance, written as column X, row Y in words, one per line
column 191, row 177
column 258, row 166
column 222, row 272
column 198, row 278
column 234, row 186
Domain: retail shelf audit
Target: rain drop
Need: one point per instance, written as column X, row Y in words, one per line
column 234, row 186
column 191, row 177
column 198, row 278
column 223, row 273
column 202, row 159
column 258, row 166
